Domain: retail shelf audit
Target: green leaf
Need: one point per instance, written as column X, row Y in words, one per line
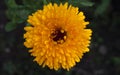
column 11, row 3
column 22, row 15
column 81, row 3
column 33, row 5
column 11, row 13
column 102, row 7
column 10, row 26
column 87, row 3
column 45, row 2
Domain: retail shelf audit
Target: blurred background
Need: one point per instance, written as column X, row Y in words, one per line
column 104, row 55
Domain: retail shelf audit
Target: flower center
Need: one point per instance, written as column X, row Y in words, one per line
column 59, row 36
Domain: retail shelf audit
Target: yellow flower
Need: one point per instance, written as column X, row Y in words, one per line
column 57, row 36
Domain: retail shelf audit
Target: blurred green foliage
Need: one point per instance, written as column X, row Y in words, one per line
column 18, row 13
column 103, row 58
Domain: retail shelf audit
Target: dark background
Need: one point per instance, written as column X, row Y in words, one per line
column 104, row 55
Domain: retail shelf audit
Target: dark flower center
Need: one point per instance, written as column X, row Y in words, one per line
column 59, row 36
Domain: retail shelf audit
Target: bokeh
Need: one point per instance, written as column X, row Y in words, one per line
column 103, row 58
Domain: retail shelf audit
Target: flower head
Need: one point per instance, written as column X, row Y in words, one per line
column 57, row 36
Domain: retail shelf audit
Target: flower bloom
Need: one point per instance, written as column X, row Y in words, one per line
column 57, row 37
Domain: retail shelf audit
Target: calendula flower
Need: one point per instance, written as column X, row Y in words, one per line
column 57, row 37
